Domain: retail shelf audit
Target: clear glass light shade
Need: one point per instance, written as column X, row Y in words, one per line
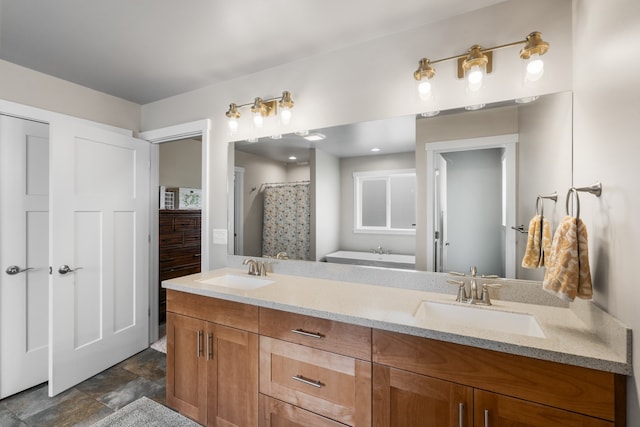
column 285, row 115
column 534, row 68
column 475, row 77
column 232, row 122
column 424, row 89
column 258, row 120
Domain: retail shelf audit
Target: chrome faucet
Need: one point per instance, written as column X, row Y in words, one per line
column 282, row 255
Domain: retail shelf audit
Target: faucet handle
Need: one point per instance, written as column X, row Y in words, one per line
column 455, row 273
column 462, row 291
column 262, row 268
column 490, row 276
column 485, row 291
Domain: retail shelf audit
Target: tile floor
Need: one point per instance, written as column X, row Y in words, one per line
column 141, row 375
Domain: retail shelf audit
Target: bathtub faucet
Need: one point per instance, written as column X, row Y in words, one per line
column 380, row 250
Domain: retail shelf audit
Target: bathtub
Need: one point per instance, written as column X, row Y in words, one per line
column 407, row 262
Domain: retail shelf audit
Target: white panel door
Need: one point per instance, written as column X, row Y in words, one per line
column 99, row 286
column 24, row 279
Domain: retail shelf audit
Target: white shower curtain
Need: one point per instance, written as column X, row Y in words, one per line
column 286, row 221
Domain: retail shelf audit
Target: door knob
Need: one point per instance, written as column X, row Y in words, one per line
column 14, row 269
column 65, row 269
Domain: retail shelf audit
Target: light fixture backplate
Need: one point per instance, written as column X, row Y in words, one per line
column 488, row 54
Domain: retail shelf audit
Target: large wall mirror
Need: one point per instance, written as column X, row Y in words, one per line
column 298, row 194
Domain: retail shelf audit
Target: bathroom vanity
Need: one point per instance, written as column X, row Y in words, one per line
column 302, row 351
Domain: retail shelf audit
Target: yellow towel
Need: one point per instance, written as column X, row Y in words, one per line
column 568, row 274
column 538, row 243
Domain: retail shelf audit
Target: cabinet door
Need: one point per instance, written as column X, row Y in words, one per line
column 402, row 398
column 494, row 410
column 232, row 376
column 186, row 366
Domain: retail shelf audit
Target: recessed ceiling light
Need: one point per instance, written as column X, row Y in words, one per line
column 315, row 137
column 293, row 158
column 474, row 107
column 526, row 99
column 375, row 150
column 430, row 113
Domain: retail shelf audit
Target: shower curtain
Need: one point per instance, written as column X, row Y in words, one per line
column 286, row 222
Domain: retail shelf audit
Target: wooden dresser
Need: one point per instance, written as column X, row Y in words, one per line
column 179, row 247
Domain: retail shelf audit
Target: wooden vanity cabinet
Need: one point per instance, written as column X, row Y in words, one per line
column 212, row 360
column 318, row 370
column 417, row 381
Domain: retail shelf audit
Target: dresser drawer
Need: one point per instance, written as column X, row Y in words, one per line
column 275, row 413
column 329, row 384
column 337, row 337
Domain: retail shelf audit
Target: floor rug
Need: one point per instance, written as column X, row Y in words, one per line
column 145, row 412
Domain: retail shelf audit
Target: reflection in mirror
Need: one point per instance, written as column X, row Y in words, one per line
column 543, row 165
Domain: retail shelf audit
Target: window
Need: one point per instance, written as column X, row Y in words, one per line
column 385, row 201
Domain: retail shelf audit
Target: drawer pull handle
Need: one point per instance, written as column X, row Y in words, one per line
column 308, row 381
column 460, row 414
column 307, row 333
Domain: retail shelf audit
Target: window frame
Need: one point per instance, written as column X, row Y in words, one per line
column 380, row 175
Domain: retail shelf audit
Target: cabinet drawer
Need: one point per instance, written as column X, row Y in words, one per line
column 228, row 313
column 183, row 270
column 337, row 337
column 275, row 413
column 187, row 222
column 335, row 386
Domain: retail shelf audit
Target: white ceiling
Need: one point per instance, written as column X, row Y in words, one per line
column 146, row 50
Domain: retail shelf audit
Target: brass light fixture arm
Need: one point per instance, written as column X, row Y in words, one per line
column 534, row 44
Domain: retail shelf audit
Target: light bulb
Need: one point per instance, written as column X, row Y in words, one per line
column 285, row 115
column 534, row 68
column 475, row 78
column 258, row 120
column 424, row 89
column 233, row 125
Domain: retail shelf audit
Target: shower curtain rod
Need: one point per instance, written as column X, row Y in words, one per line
column 284, row 183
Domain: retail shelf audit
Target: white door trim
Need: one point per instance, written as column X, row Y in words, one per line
column 157, row 136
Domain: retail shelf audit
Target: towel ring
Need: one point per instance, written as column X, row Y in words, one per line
column 573, row 191
column 539, row 203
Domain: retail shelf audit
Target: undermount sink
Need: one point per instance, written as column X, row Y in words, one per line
column 479, row 317
column 235, row 281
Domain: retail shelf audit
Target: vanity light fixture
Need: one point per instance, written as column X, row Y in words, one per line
column 261, row 108
column 477, row 62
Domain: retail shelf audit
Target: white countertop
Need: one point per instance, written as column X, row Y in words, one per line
column 568, row 337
